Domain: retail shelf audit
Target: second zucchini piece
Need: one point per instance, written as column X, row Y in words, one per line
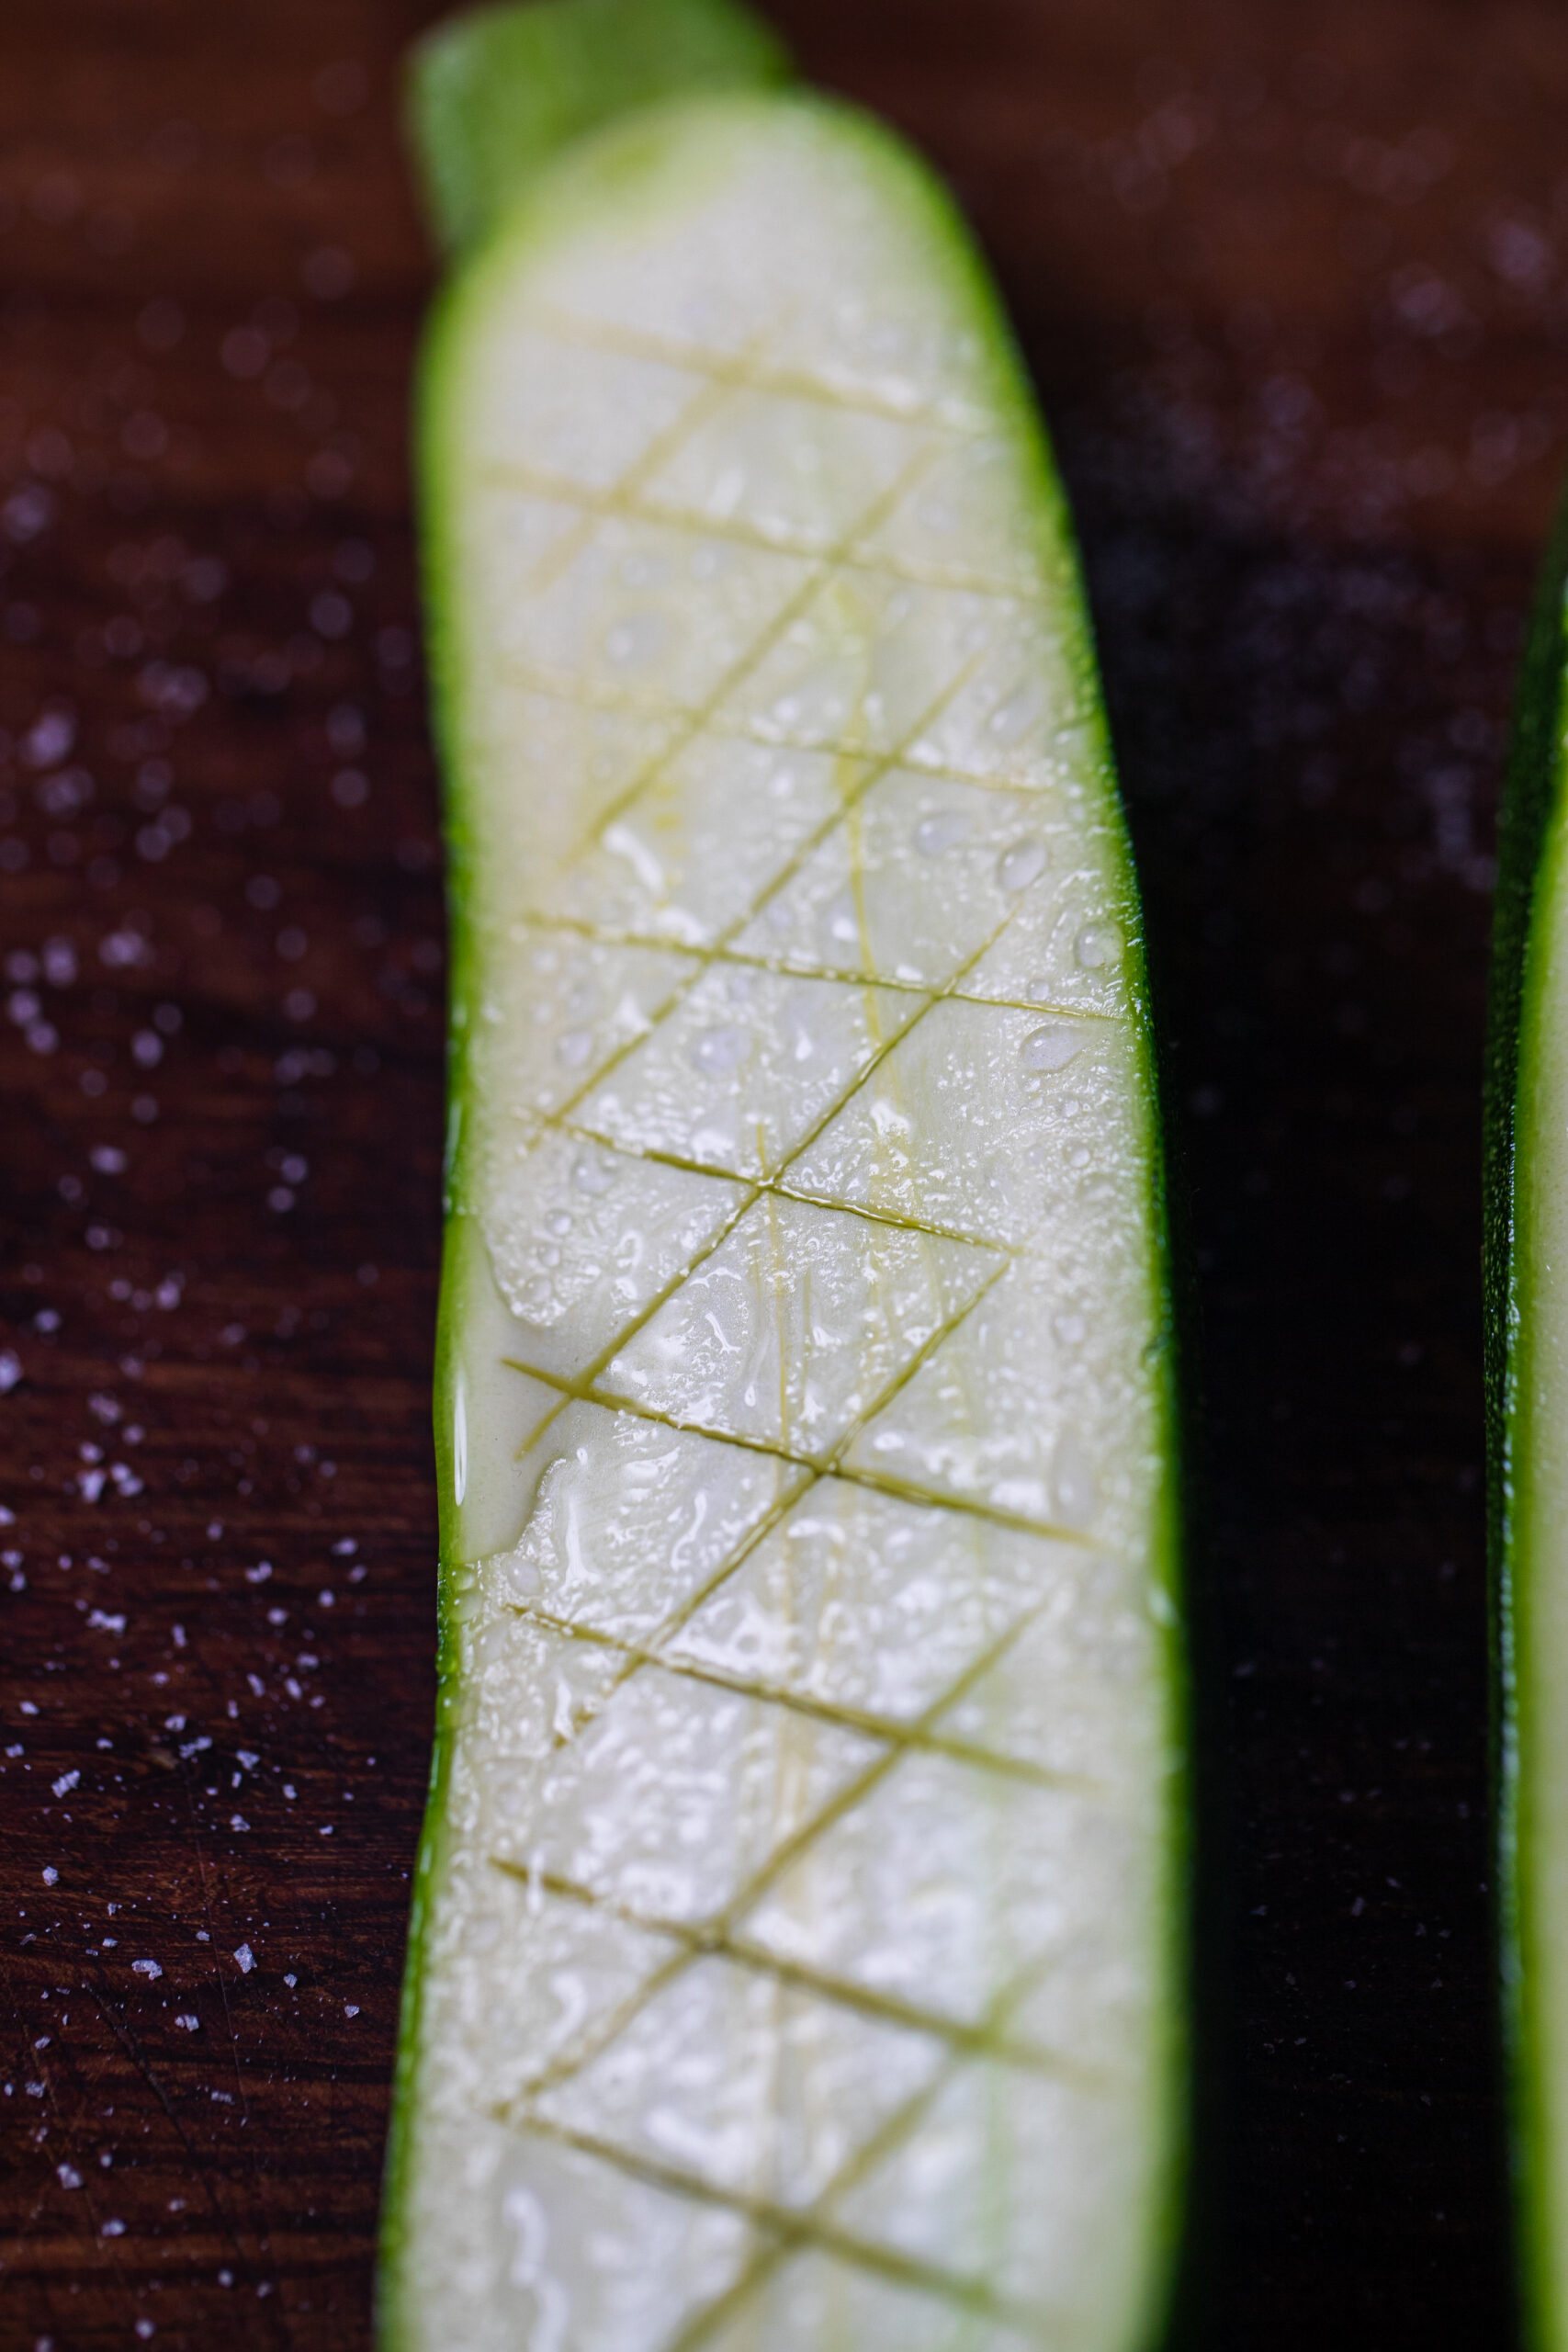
column 1526, row 1301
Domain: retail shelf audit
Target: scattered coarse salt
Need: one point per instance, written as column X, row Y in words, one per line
column 246, row 1959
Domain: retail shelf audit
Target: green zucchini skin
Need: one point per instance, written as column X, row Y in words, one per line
column 1525, row 1169
column 492, row 96
column 505, row 208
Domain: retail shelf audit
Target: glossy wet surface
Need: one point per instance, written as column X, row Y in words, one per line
column 831, row 1276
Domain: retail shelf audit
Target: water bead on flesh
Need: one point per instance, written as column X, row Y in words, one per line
column 593, row 1172
column 1011, row 719
column 719, row 1051
column 1025, row 863
column 636, row 639
column 1052, row 1047
column 933, row 834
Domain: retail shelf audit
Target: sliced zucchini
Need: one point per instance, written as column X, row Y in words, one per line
column 1526, row 1301
column 798, row 1958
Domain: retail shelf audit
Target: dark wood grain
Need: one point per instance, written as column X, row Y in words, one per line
column 1290, row 284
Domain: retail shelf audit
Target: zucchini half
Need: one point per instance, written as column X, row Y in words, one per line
column 1527, row 1340
column 798, row 1952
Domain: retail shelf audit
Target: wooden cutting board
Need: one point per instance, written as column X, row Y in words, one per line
column 1294, row 287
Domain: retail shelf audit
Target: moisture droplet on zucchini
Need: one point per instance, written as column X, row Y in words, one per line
column 1527, row 1286
column 798, row 1944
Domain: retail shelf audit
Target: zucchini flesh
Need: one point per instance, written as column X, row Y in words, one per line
column 1527, row 1288
column 798, row 1952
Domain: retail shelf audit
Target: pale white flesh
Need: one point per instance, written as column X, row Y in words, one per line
column 798, row 1950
